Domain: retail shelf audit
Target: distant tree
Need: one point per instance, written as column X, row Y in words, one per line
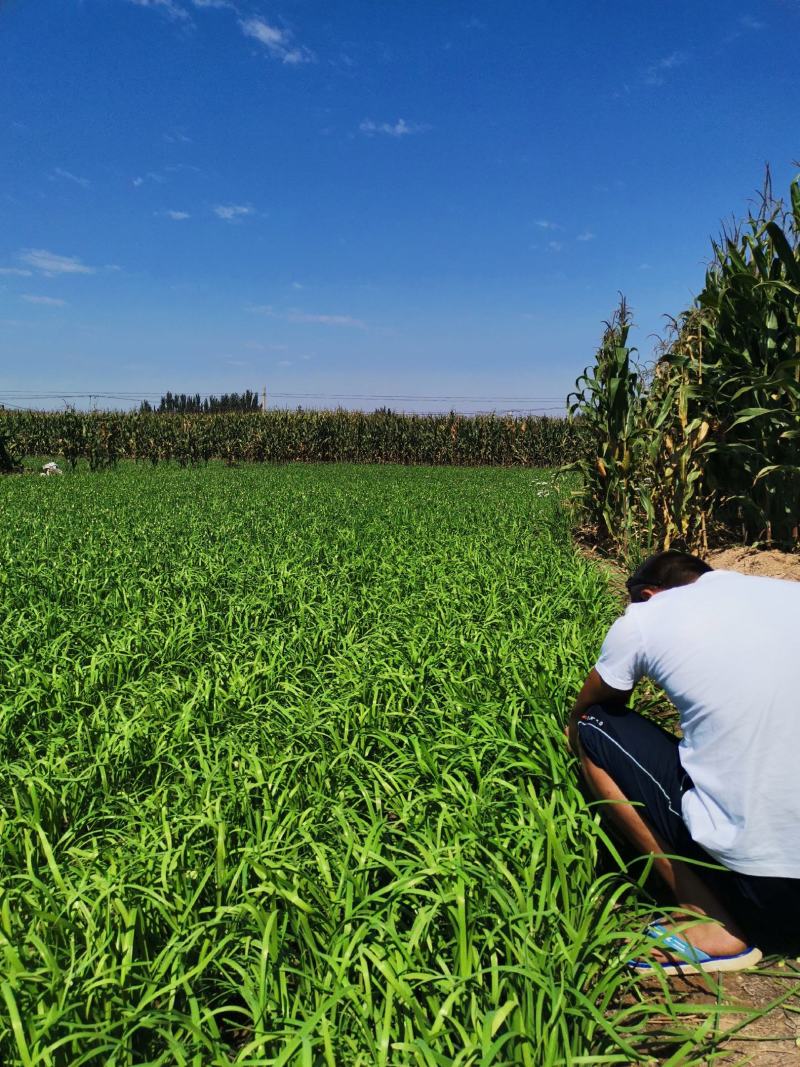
column 246, row 401
column 183, row 403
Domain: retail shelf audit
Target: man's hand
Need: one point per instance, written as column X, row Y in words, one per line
column 593, row 691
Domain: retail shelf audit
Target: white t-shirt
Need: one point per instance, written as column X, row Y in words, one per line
column 726, row 650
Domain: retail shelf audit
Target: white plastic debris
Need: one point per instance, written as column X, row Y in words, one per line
column 50, row 468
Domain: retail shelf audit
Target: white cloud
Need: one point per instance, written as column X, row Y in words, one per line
column 48, row 301
column 296, row 316
column 744, row 24
column 546, row 224
column 654, row 75
column 555, row 246
column 176, row 137
column 70, row 177
column 674, row 59
column 233, row 212
column 587, row 235
column 285, row 362
column 261, row 31
column 177, row 216
column 259, row 346
column 326, row 320
column 401, row 128
column 277, row 42
column 50, row 264
column 152, row 176
column 298, row 55
column 16, row 271
column 167, row 7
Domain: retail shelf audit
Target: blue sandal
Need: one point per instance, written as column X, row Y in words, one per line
column 695, row 961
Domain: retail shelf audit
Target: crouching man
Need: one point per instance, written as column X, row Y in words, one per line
column 726, row 798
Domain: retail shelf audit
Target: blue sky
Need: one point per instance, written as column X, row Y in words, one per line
column 362, row 198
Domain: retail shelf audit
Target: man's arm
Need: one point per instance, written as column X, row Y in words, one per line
column 593, row 691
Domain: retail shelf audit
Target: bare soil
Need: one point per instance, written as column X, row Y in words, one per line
column 759, row 1008
column 767, row 564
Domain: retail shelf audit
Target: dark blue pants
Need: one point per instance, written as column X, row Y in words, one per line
column 644, row 761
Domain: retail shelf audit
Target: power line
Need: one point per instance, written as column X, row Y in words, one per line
column 60, row 395
column 536, row 409
column 515, row 406
column 430, row 399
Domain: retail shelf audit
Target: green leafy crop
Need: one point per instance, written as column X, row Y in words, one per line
column 283, row 777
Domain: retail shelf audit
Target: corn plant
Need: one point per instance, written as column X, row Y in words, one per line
column 709, row 448
column 676, row 499
column 278, row 436
column 607, row 400
column 750, row 331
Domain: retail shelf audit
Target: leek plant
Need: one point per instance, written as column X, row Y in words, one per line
column 284, row 781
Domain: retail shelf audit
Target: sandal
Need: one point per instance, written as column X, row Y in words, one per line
column 695, row 960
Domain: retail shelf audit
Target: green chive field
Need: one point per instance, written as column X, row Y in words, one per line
column 284, row 780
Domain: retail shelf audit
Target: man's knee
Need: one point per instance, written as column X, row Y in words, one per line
column 592, row 730
column 575, row 727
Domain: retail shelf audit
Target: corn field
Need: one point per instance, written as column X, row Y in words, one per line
column 284, row 780
column 705, row 447
column 280, row 436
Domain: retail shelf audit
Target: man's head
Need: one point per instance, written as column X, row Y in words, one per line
column 664, row 570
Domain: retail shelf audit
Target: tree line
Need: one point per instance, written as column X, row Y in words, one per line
column 194, row 403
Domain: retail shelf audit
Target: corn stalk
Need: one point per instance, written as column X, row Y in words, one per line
column 607, row 400
column 731, row 451
column 280, row 436
column 709, row 448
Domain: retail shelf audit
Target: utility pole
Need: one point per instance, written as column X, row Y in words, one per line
column 264, row 399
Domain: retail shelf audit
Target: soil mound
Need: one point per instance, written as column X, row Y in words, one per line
column 766, row 563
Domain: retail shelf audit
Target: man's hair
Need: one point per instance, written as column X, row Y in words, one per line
column 665, row 570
